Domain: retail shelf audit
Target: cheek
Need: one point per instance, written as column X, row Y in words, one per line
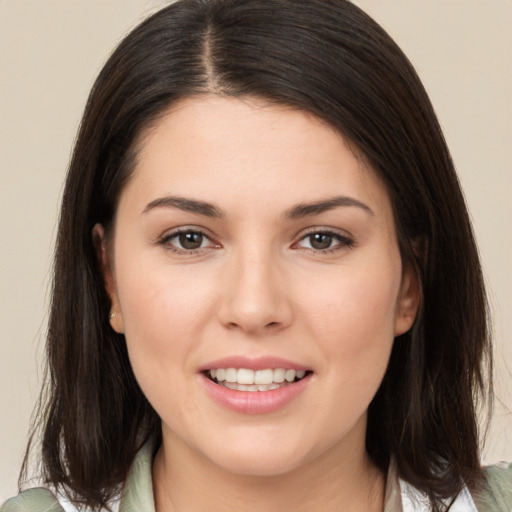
column 353, row 325
column 354, row 311
column 164, row 313
column 154, row 291
column 352, row 319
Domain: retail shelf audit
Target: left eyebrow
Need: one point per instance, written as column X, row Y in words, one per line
column 308, row 209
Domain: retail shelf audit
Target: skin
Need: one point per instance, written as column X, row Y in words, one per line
column 258, row 286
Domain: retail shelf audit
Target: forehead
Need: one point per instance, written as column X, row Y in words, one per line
column 239, row 151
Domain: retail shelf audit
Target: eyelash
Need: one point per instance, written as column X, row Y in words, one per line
column 343, row 241
column 165, row 241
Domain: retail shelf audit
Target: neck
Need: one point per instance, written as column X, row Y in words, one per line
column 343, row 479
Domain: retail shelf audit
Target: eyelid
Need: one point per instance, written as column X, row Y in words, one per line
column 164, row 239
column 345, row 239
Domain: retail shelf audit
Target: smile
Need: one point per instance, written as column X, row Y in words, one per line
column 270, row 385
column 244, row 379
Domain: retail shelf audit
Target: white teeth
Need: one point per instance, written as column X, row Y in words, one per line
column 263, row 377
column 279, row 374
column 245, row 376
column 231, row 375
column 244, row 379
column 252, row 387
column 290, row 375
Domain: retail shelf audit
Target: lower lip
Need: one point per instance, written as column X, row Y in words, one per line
column 255, row 402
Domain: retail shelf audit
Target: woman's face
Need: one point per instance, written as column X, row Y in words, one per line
column 251, row 241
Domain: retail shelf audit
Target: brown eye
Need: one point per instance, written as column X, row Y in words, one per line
column 320, row 241
column 187, row 241
column 190, row 240
column 325, row 241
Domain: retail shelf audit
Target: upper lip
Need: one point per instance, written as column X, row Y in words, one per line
column 256, row 363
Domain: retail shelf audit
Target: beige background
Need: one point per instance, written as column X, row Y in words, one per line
column 50, row 52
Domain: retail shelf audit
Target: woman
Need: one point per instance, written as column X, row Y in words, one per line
column 258, row 300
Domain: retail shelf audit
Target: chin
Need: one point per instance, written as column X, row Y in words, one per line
column 259, row 457
column 258, row 464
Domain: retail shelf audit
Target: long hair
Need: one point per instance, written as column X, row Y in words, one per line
column 328, row 58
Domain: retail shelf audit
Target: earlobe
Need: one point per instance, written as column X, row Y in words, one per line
column 408, row 301
column 104, row 261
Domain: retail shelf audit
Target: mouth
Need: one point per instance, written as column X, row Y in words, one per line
column 245, row 379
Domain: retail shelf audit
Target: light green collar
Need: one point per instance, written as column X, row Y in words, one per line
column 137, row 494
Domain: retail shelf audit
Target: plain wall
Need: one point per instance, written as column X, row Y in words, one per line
column 50, row 53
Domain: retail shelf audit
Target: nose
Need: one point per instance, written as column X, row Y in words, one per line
column 255, row 299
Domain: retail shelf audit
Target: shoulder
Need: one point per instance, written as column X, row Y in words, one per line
column 33, row 500
column 496, row 495
column 40, row 499
column 137, row 491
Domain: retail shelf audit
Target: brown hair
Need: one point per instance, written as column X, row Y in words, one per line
column 328, row 58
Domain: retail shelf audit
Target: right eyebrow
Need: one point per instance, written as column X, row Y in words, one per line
column 187, row 205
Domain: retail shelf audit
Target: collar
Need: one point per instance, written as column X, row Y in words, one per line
column 400, row 496
column 137, row 494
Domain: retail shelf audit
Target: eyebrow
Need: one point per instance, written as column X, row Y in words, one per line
column 317, row 207
column 296, row 212
column 187, row 205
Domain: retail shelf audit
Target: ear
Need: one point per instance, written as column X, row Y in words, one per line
column 408, row 301
column 106, row 267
